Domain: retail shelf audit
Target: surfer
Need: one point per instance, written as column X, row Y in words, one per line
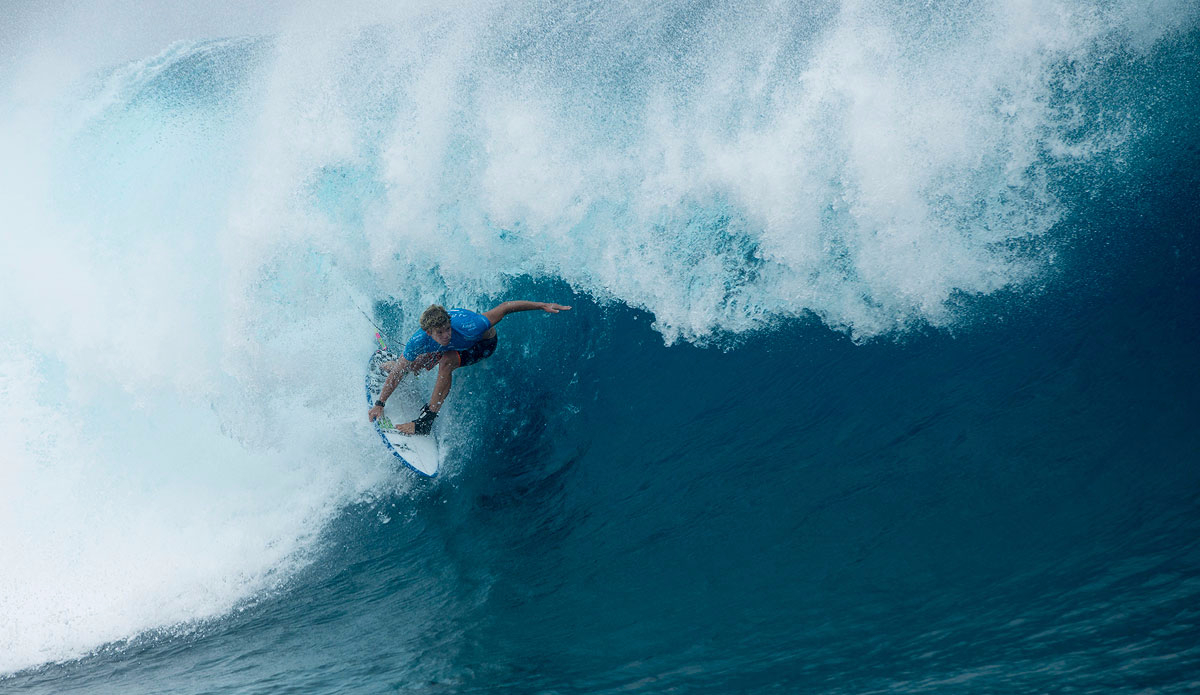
column 447, row 340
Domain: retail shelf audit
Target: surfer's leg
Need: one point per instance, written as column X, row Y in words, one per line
column 448, row 362
column 441, row 388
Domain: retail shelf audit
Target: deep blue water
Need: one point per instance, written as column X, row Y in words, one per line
column 729, row 469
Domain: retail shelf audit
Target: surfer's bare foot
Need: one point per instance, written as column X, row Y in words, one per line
column 407, row 428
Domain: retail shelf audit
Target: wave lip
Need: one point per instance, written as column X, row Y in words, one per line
column 872, row 166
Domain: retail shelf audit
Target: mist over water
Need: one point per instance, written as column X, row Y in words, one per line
column 862, row 195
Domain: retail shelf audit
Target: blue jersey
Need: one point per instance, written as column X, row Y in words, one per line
column 466, row 329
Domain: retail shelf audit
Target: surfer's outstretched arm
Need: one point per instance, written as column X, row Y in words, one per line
column 500, row 311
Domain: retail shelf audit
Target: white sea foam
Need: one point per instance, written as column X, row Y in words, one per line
column 179, row 403
column 719, row 170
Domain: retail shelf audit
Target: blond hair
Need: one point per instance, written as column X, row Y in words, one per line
column 434, row 317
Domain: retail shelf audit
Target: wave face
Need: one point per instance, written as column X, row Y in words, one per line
column 880, row 375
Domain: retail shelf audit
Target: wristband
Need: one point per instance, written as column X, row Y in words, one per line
column 379, row 403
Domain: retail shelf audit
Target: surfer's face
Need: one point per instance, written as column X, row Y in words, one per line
column 441, row 335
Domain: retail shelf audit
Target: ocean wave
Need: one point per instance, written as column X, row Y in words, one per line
column 188, row 235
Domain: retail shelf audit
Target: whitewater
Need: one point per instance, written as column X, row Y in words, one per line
column 882, row 354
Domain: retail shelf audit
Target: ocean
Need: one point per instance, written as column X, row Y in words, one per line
column 881, row 373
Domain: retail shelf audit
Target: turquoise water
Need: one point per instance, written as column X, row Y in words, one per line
column 880, row 375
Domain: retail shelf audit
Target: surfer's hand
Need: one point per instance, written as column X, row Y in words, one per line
column 551, row 308
column 374, row 413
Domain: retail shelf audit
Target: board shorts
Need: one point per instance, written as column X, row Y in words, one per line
column 479, row 351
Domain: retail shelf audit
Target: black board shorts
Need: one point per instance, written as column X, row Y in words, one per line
column 479, row 351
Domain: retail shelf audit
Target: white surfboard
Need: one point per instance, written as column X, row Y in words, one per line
column 417, row 451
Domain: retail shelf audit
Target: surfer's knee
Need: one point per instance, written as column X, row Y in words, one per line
column 448, row 361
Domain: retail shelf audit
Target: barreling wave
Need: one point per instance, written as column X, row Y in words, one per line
column 180, row 224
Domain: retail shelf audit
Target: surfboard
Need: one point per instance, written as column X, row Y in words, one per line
column 418, row 452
